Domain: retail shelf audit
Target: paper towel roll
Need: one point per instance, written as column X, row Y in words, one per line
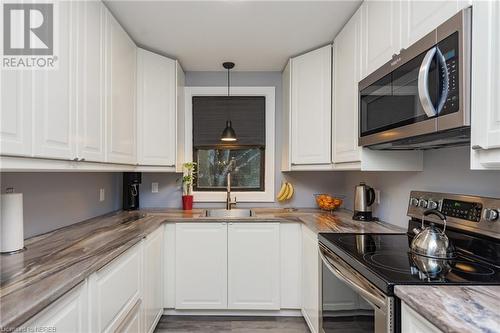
column 11, row 225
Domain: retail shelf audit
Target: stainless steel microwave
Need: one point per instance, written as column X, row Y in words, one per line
column 421, row 98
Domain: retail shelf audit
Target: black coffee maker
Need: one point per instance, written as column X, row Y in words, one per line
column 131, row 181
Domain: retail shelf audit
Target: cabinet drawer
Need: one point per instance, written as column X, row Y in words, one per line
column 114, row 290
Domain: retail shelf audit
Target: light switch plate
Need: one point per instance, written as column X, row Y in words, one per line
column 154, row 187
column 102, row 195
column 377, row 197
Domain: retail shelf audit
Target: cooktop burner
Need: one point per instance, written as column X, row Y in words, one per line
column 385, row 260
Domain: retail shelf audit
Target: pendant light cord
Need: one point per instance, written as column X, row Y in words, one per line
column 228, row 82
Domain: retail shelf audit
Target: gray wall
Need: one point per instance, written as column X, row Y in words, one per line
column 445, row 170
column 305, row 183
column 54, row 200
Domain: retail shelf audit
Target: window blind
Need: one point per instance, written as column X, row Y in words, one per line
column 247, row 113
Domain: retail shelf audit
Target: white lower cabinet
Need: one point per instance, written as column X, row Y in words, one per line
column 310, row 279
column 232, row 266
column 253, row 266
column 114, row 290
column 153, row 280
column 68, row 314
column 412, row 322
column 290, row 265
column 201, row 266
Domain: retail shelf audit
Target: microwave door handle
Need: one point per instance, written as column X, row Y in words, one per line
column 423, row 84
column 444, row 93
column 369, row 297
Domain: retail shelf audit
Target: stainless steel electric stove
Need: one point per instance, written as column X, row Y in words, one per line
column 364, row 268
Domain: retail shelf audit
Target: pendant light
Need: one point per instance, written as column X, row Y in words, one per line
column 228, row 135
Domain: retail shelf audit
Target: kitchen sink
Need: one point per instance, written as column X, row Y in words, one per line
column 231, row 213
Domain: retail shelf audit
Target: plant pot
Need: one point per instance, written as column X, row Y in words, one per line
column 187, row 202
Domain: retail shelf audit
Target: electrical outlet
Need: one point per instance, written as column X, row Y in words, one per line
column 102, row 195
column 377, row 197
column 154, row 187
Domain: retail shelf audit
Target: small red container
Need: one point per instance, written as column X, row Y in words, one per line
column 187, row 202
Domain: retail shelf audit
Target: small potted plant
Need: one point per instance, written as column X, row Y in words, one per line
column 187, row 185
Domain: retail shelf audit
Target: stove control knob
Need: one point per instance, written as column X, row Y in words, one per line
column 422, row 203
column 432, row 204
column 414, row 202
column 490, row 214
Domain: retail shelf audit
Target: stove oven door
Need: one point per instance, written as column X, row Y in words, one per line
column 349, row 302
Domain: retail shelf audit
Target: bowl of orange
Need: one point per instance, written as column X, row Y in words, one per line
column 328, row 202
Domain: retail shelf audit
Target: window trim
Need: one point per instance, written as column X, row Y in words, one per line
column 243, row 196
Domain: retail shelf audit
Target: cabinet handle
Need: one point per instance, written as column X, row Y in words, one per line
column 477, row 147
column 82, row 159
column 75, row 159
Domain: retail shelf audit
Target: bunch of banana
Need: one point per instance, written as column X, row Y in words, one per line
column 286, row 192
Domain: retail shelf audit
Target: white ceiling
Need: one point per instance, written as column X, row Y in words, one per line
column 256, row 35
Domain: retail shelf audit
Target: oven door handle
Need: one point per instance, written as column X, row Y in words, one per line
column 423, row 84
column 376, row 300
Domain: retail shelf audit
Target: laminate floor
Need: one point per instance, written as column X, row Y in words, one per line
column 214, row 324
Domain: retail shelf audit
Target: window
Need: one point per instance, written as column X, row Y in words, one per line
column 246, row 165
column 245, row 159
column 191, row 142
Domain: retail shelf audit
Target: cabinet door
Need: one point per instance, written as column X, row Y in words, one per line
column 153, row 283
column 310, row 279
column 254, row 266
column 291, row 265
column 120, row 93
column 201, row 266
column 421, row 17
column 15, row 113
column 380, row 36
column 412, row 322
column 114, row 290
column 485, row 102
column 345, row 112
column 156, row 109
column 53, row 97
column 68, row 314
column 89, row 59
column 311, row 107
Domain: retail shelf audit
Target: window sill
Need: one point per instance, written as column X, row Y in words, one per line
column 266, row 196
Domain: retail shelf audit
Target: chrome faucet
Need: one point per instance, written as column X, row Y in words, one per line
column 229, row 203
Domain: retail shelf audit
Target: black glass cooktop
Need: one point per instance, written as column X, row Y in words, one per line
column 384, row 260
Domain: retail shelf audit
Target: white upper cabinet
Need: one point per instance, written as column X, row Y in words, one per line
column 201, row 266
column 380, row 35
column 346, row 154
column 345, row 111
column 311, row 79
column 485, row 101
column 51, row 98
column 120, row 94
column 156, row 109
column 15, row 113
column 421, row 17
column 89, row 60
column 254, row 266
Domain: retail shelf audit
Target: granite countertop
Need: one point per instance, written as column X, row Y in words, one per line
column 55, row 262
column 455, row 309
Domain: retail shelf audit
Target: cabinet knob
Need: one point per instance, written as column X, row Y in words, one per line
column 75, row 159
column 414, row 202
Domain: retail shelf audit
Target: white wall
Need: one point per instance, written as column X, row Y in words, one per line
column 53, row 200
column 306, row 183
column 445, row 170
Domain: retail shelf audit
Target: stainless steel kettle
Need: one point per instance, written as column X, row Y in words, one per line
column 364, row 197
column 432, row 242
